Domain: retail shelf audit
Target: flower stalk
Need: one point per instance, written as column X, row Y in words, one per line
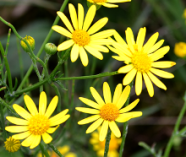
column 107, row 143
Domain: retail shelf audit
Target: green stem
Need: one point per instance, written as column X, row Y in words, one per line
column 3, row 122
column 44, row 151
column 107, row 143
column 7, row 43
column 125, row 129
column 175, row 131
column 6, row 105
column 7, row 68
column 55, row 150
column 88, row 77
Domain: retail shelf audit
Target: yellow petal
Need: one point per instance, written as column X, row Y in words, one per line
column 98, row 25
column 74, row 53
column 80, row 15
column 104, row 130
column 65, row 45
column 129, row 77
column 89, row 102
column 73, row 16
column 94, row 126
column 65, row 21
column 99, row 47
column 89, row 17
column 138, row 83
column 123, row 118
column 108, row 5
column 123, row 98
column 21, row 135
column 87, row 110
column 17, row 121
column 89, row 119
column 156, row 46
column 148, row 84
column 125, row 69
column 36, row 141
column 117, row 93
column 28, row 141
column 102, row 42
column 130, row 106
column 94, row 52
column 114, row 128
column 119, row 39
column 62, row 31
column 162, row 73
column 60, row 121
column 156, row 81
column 30, row 105
column 106, row 93
column 130, row 38
column 42, row 103
column 141, row 38
column 22, row 112
column 163, row 64
column 103, row 34
column 97, row 97
column 46, row 138
column 83, row 56
column 118, row 1
column 58, row 116
column 52, row 106
column 159, row 53
column 52, row 130
column 16, row 129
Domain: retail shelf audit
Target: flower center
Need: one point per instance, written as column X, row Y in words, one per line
column 38, row 124
column 81, row 37
column 109, row 112
column 99, row 1
column 141, row 61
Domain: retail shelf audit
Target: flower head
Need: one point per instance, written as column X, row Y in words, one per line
column 99, row 146
column 35, row 125
column 83, row 38
column 180, row 49
column 108, row 3
column 12, row 145
column 142, row 59
column 109, row 111
column 30, row 41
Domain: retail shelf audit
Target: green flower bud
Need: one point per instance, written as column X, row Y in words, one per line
column 50, row 48
column 30, row 41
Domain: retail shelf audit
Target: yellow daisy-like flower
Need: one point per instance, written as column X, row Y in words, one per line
column 109, row 111
column 12, row 145
column 99, row 146
column 180, row 49
column 108, row 3
column 81, row 36
column 36, row 124
column 142, row 59
column 64, row 150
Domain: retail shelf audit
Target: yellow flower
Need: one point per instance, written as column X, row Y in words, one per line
column 81, row 36
column 108, row 3
column 180, row 49
column 12, row 145
column 36, row 124
column 142, row 59
column 30, row 41
column 99, row 146
column 64, row 150
column 108, row 111
column 184, row 14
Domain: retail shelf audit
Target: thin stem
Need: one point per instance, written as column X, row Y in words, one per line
column 88, row 77
column 7, row 43
column 44, row 151
column 3, row 122
column 2, row 102
column 176, row 127
column 107, row 143
column 55, row 150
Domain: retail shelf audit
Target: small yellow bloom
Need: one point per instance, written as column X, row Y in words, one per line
column 184, row 14
column 30, row 41
column 108, row 3
column 99, row 146
column 12, row 145
column 142, row 59
column 35, row 125
column 109, row 111
column 83, row 38
column 180, row 49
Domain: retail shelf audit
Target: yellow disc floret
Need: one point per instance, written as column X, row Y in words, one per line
column 12, row 145
column 81, row 37
column 109, row 112
column 141, row 61
column 38, row 124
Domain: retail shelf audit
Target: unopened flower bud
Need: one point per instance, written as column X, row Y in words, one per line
column 50, row 48
column 30, row 41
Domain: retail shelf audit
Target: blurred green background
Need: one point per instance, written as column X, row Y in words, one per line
column 35, row 17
